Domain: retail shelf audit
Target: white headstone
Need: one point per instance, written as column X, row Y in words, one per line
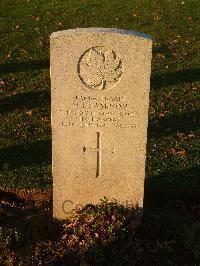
column 100, row 82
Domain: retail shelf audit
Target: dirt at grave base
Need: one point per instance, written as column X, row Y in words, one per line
column 42, row 241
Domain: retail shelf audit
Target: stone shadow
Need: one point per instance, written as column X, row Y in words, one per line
column 157, row 81
column 26, row 154
column 32, row 99
column 40, row 152
column 183, row 183
column 183, row 122
column 24, row 66
column 174, row 78
column 159, row 238
column 32, row 220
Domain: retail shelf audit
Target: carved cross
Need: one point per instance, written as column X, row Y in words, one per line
column 98, row 150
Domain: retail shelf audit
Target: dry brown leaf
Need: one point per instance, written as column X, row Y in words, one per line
column 60, row 24
column 160, row 56
column 8, row 54
column 29, row 112
column 167, row 243
column 191, row 135
column 182, row 152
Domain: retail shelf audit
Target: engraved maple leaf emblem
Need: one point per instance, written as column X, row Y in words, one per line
column 99, row 68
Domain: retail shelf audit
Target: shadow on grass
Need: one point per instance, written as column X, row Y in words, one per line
column 33, row 228
column 161, row 237
column 169, row 79
column 183, row 122
column 177, row 183
column 24, row 66
column 27, row 154
column 89, row 240
column 29, row 99
column 40, row 152
column 162, row 126
column 157, row 81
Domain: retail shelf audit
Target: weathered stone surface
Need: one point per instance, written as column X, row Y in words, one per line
column 100, row 82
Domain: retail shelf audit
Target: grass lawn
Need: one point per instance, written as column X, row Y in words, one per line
column 173, row 151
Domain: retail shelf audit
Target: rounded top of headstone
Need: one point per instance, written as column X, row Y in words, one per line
column 101, row 30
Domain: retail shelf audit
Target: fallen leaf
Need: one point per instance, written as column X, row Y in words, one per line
column 182, row 153
column 23, row 51
column 60, row 24
column 29, row 112
column 8, row 54
column 166, row 243
column 69, row 225
column 160, row 56
column 191, row 135
column 161, row 114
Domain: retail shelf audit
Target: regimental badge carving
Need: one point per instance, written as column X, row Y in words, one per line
column 100, row 68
